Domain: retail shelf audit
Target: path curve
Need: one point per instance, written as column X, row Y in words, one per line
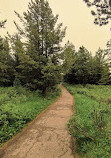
column 47, row 136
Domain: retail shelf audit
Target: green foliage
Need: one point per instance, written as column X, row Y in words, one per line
column 90, row 124
column 50, row 77
column 37, row 60
column 78, row 73
column 18, row 107
column 16, row 83
column 88, row 69
column 6, row 64
column 68, row 56
column 102, row 10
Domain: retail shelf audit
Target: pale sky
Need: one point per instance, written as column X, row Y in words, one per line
column 72, row 13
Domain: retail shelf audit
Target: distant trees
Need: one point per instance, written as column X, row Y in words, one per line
column 68, row 56
column 78, row 73
column 102, row 67
column 6, row 64
column 89, row 69
column 102, row 13
column 6, row 61
column 108, row 50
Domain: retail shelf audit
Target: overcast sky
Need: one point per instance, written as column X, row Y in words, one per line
column 72, row 13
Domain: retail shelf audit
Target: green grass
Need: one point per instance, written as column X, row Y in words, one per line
column 91, row 123
column 19, row 106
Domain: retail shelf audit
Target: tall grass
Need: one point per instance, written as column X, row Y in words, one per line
column 91, row 123
column 18, row 106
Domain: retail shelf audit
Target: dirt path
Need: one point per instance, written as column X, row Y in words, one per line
column 46, row 136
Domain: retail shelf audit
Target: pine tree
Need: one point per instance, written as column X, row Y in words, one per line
column 79, row 72
column 102, row 67
column 68, row 56
column 43, row 37
column 6, row 64
column 88, row 69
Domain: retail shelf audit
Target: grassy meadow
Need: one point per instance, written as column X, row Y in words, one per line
column 18, row 106
column 91, row 123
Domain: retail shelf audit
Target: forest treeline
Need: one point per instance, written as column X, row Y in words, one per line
column 82, row 68
column 34, row 57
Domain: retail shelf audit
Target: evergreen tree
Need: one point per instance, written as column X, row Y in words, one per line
column 23, row 63
column 68, row 56
column 102, row 67
column 108, row 51
column 87, row 69
column 6, row 64
column 79, row 72
column 43, row 36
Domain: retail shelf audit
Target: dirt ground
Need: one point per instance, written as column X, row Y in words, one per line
column 47, row 136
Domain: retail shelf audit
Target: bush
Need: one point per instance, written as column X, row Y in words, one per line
column 16, row 83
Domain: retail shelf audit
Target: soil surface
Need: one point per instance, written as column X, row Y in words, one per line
column 47, row 136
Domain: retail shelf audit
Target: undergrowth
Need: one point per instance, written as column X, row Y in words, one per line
column 19, row 106
column 91, row 123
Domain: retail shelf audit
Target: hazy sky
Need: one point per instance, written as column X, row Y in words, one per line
column 72, row 13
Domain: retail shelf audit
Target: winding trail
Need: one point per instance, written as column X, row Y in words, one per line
column 47, row 135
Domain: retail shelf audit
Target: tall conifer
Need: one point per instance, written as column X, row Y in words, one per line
column 43, row 37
